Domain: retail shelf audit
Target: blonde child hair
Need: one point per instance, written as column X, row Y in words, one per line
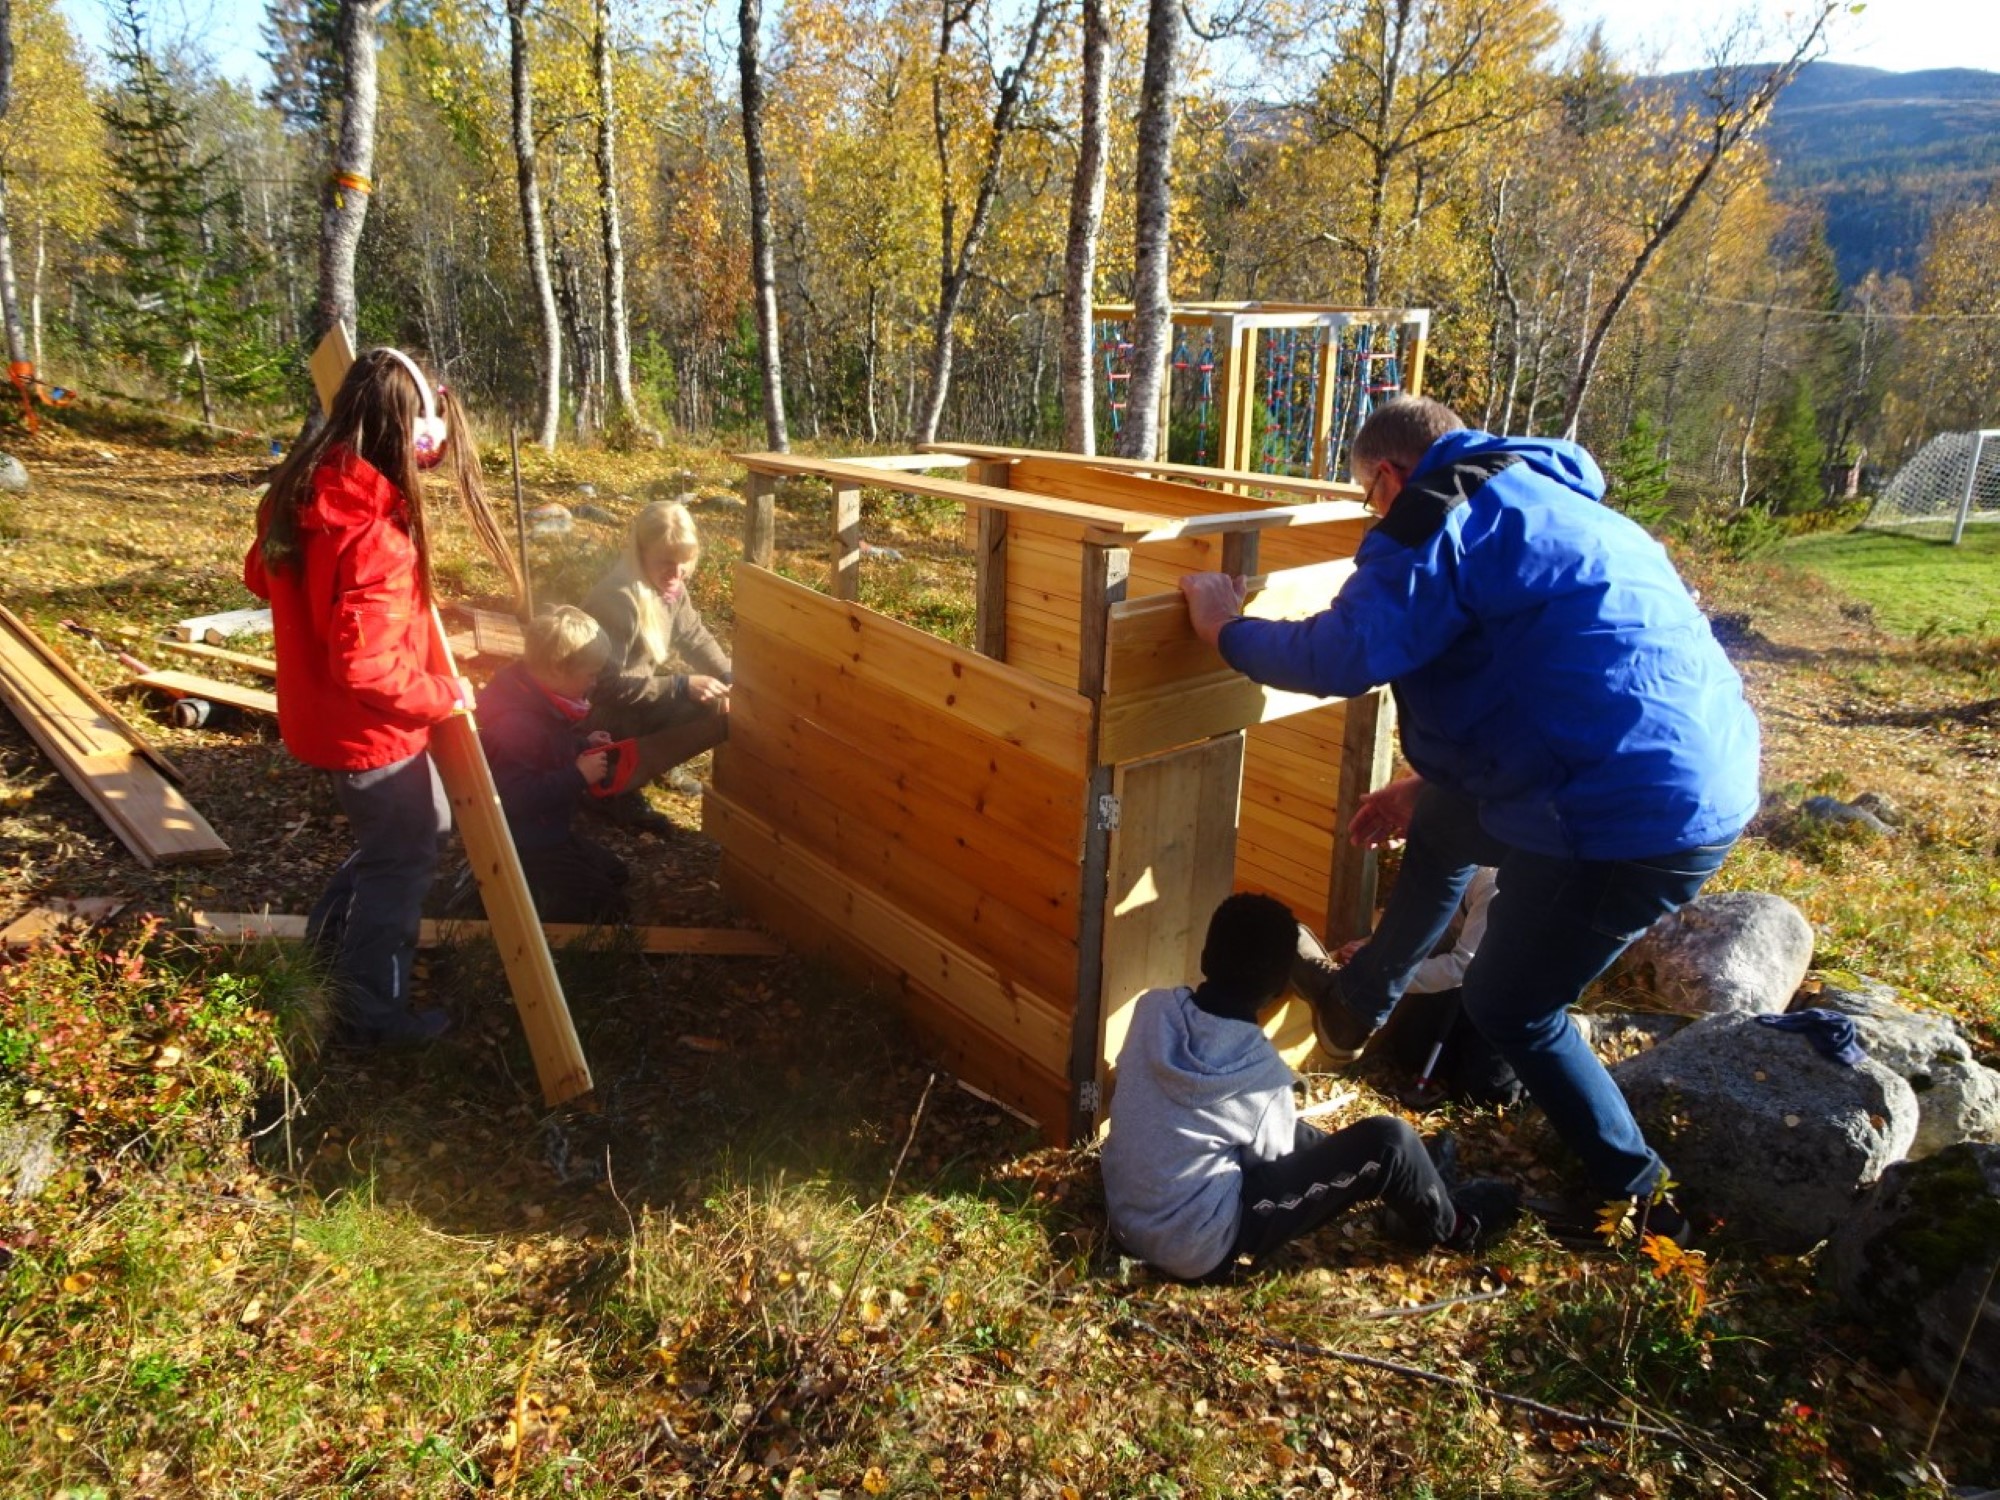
column 664, row 523
column 564, row 640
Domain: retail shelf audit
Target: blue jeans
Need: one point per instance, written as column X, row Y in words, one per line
column 1553, row 927
column 367, row 918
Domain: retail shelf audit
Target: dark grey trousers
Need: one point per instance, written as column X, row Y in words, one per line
column 366, row 920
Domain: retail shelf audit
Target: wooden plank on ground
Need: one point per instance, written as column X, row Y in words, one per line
column 188, row 685
column 59, row 666
column 95, row 755
column 730, row 942
column 857, row 642
column 263, row 666
column 516, row 928
column 47, row 918
column 215, row 629
column 1029, row 1023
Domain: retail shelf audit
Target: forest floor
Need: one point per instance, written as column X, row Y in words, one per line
column 783, row 1258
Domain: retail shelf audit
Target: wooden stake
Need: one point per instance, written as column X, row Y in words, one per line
column 1366, row 748
column 1106, row 571
column 760, row 520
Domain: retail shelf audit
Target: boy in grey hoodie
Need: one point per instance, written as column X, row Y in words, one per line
column 1207, row 1162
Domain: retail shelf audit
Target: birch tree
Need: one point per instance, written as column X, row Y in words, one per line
column 763, row 254
column 534, row 234
column 344, row 199
column 1086, row 219
column 1152, row 313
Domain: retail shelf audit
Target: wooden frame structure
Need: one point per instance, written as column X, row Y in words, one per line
column 1240, row 336
column 1024, row 837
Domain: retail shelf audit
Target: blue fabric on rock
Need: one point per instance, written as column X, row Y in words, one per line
column 1831, row 1033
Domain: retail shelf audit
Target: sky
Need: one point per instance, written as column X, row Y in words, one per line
column 1900, row 35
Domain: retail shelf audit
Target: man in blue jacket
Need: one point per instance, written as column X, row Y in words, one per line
column 1571, row 720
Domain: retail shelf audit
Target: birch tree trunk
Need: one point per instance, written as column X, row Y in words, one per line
column 1086, row 219
column 10, row 300
column 763, row 254
column 532, row 230
column 617, row 327
column 1152, row 320
column 344, row 199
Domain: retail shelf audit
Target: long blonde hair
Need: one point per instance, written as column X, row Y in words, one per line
column 664, row 523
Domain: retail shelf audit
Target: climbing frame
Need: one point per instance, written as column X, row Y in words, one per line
column 1021, row 839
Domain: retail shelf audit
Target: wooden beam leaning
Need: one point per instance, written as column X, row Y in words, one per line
column 844, row 581
column 516, row 926
column 1106, row 570
column 1367, row 747
column 720, row 942
column 760, row 519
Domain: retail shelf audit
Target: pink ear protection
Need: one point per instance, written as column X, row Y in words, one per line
column 431, row 432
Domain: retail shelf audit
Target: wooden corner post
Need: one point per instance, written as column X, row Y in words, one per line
column 1105, row 572
column 846, row 579
column 989, row 552
column 1367, row 745
column 760, row 519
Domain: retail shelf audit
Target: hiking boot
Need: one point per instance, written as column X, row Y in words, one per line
column 1487, row 1209
column 1442, row 1149
column 1341, row 1034
column 414, row 1029
column 633, row 811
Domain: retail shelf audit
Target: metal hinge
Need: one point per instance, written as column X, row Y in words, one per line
column 1107, row 811
column 1086, row 1097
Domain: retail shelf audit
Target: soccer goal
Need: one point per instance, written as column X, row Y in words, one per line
column 1953, row 482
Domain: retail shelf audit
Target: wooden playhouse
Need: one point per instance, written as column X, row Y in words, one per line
column 1023, row 837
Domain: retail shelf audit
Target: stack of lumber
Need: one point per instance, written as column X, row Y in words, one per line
column 103, row 757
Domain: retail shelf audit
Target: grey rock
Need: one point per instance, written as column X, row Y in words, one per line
column 1733, row 952
column 1833, row 810
column 1915, row 1263
column 28, row 1155
column 597, row 513
column 1763, row 1131
column 550, row 520
column 13, row 475
column 1909, row 1043
column 586, row 489
column 1958, row 1101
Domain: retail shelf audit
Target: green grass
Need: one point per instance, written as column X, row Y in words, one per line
column 1914, row 586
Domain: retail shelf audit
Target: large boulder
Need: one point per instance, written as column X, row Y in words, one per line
column 13, row 475
column 1764, row 1132
column 1957, row 1098
column 1916, row 1262
column 1734, row 952
column 29, row 1155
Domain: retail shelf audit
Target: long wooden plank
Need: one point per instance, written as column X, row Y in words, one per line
column 218, row 628
column 188, row 685
column 1198, row 474
column 47, row 918
column 1153, row 643
column 145, row 810
column 786, row 465
column 988, row 1062
column 720, row 942
column 1145, row 723
column 983, row 918
column 59, row 666
column 1029, row 1023
column 516, row 928
column 857, row 642
column 930, row 753
column 263, row 666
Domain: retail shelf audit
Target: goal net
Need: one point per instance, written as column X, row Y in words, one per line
column 1952, row 483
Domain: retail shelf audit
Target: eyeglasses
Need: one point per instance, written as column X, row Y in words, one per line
column 1368, row 495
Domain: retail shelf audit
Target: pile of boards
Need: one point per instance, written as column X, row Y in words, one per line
column 132, row 786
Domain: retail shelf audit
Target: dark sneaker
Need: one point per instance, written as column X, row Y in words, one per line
column 1442, row 1149
column 416, row 1029
column 631, row 810
column 1341, row 1034
column 1487, row 1209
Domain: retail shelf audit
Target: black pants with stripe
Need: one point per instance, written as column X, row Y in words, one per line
column 1325, row 1175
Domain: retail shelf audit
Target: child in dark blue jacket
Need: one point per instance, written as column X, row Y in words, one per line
column 545, row 765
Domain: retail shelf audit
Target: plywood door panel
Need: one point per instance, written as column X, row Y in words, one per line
column 1173, row 860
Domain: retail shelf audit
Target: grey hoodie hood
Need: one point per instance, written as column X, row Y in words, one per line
column 1197, row 1096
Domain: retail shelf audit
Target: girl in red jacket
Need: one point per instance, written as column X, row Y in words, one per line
column 342, row 555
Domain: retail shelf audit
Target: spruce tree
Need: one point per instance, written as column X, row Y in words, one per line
column 186, row 271
column 1793, row 461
